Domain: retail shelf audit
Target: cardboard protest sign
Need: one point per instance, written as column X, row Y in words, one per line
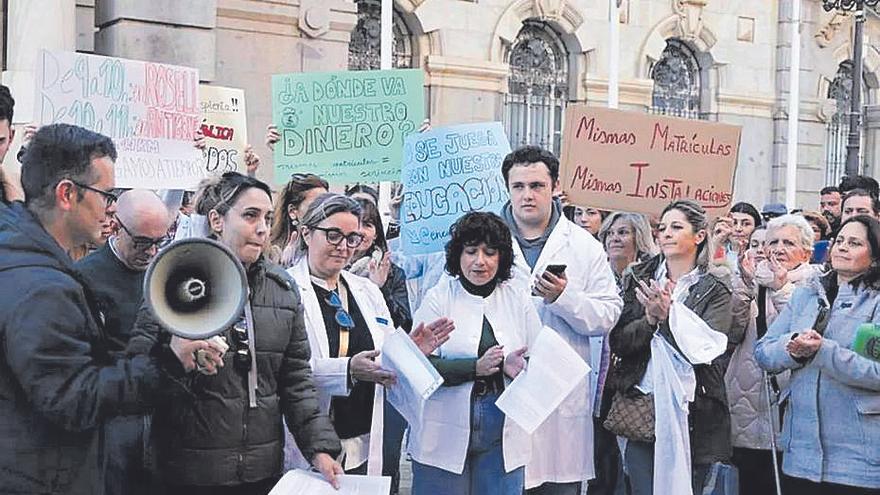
column 224, row 124
column 150, row 110
column 615, row 160
column 447, row 172
column 346, row 127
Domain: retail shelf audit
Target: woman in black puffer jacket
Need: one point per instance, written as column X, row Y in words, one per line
column 214, row 431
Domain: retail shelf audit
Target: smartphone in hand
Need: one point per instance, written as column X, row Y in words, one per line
column 557, row 269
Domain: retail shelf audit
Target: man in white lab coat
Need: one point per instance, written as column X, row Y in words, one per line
column 581, row 303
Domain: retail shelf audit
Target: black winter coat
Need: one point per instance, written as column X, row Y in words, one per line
column 630, row 341
column 205, row 433
column 58, row 382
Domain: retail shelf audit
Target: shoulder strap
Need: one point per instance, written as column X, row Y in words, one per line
column 761, row 321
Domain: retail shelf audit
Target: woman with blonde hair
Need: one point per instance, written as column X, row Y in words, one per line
column 627, row 239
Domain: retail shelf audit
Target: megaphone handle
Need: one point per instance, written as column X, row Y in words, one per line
column 252, row 349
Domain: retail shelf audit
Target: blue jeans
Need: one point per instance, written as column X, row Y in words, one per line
column 484, row 466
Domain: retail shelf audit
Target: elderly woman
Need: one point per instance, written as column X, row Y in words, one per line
column 457, row 449
column 677, row 279
column 766, row 289
column 223, row 432
column 627, row 239
column 346, row 318
column 831, row 427
column 290, row 206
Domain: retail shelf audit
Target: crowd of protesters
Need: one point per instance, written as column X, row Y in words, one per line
column 722, row 350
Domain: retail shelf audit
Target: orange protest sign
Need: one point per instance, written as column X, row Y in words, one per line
column 616, row 160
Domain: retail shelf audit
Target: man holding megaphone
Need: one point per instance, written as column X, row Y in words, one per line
column 59, row 383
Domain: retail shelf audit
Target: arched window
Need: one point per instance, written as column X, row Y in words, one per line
column 676, row 82
column 837, row 130
column 363, row 49
column 537, row 87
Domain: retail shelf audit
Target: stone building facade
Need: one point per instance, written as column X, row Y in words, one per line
column 518, row 61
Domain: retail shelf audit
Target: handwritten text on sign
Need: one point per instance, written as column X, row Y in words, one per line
column 151, row 111
column 345, row 126
column 448, row 172
column 224, row 125
column 617, row 160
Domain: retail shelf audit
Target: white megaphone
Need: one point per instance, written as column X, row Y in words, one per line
column 196, row 288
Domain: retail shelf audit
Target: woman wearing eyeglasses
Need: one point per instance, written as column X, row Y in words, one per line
column 222, row 429
column 346, row 318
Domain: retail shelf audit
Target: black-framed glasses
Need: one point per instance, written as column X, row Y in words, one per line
column 335, row 236
column 109, row 197
column 141, row 242
column 342, row 317
column 241, row 357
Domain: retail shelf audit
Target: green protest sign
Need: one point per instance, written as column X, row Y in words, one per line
column 346, row 127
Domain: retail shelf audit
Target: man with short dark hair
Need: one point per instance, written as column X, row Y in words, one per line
column 850, row 182
column 59, row 383
column 830, row 202
column 8, row 189
column 580, row 302
column 859, row 202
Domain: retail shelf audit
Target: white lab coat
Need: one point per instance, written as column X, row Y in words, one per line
column 441, row 439
column 331, row 374
column 582, row 315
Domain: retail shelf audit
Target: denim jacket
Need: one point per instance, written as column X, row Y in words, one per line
column 831, row 431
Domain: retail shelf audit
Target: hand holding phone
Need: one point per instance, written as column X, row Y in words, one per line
column 556, row 269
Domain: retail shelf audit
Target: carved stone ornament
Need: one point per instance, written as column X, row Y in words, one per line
column 314, row 20
column 829, row 30
column 551, row 9
column 690, row 13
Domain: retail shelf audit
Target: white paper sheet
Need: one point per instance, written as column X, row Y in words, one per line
column 299, row 482
column 553, row 371
column 417, row 378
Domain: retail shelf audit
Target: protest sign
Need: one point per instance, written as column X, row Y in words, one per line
column 224, row 124
column 347, row 127
column 150, row 110
column 615, row 160
column 448, row 172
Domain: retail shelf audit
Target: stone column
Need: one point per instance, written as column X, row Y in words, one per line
column 179, row 32
column 32, row 26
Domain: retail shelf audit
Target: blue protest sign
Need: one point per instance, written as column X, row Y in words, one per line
column 446, row 173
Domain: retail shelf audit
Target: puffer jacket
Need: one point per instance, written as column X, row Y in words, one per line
column 59, row 383
column 746, row 385
column 630, row 339
column 205, row 433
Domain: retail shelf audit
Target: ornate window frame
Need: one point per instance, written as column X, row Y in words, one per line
column 363, row 49
column 678, row 82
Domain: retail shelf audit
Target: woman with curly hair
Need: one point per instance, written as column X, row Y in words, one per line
column 457, row 448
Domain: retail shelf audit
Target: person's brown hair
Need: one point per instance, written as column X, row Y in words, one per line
column 293, row 194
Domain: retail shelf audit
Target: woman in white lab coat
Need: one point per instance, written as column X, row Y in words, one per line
column 464, row 444
column 346, row 319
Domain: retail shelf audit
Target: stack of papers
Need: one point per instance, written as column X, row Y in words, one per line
column 299, row 482
column 417, row 378
column 554, row 369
